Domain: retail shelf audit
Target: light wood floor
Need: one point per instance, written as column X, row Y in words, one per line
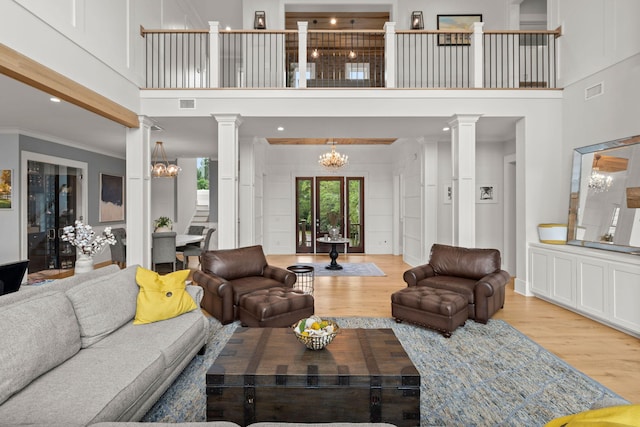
column 605, row 354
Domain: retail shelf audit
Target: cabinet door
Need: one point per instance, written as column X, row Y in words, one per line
column 563, row 281
column 592, row 287
column 539, row 272
column 624, row 281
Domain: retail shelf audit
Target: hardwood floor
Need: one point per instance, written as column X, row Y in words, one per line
column 605, row 354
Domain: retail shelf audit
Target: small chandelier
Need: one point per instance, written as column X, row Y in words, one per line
column 161, row 167
column 598, row 181
column 333, row 160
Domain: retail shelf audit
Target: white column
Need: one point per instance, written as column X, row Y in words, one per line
column 228, row 156
column 477, row 60
column 390, row 54
column 214, row 53
column 430, row 197
column 138, row 205
column 302, row 53
column 463, row 160
column 247, row 233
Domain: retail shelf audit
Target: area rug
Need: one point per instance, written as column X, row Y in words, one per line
column 484, row 375
column 348, row 269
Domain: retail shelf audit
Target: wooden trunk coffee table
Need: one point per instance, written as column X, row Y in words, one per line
column 266, row 374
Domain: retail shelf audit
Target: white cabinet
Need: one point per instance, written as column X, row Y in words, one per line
column 552, row 275
column 602, row 285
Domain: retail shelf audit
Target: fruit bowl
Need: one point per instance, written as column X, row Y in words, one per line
column 315, row 333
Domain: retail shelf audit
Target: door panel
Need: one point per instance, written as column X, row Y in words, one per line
column 51, row 206
column 304, row 215
column 329, row 209
column 355, row 214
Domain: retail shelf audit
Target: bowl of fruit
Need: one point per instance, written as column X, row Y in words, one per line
column 315, row 333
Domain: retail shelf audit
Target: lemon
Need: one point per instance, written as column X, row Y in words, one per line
column 315, row 326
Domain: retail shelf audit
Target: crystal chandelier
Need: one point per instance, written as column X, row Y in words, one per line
column 599, row 182
column 333, row 160
column 161, row 167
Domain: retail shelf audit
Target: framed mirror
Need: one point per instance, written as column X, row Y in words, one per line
column 604, row 209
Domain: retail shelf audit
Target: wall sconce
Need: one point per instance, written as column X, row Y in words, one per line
column 416, row 20
column 260, row 20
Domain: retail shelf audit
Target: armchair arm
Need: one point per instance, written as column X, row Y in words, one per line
column 218, row 296
column 416, row 274
column 488, row 284
column 286, row 277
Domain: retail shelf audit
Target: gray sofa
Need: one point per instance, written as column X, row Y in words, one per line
column 70, row 354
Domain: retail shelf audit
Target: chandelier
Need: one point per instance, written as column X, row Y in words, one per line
column 161, row 167
column 598, row 181
column 333, row 160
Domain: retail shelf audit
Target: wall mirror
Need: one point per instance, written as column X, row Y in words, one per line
column 604, row 209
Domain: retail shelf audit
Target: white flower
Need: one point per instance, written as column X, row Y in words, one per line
column 84, row 238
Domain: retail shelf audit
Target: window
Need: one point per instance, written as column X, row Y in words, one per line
column 357, row 70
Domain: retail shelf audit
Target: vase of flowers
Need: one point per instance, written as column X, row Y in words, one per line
column 87, row 243
column 162, row 224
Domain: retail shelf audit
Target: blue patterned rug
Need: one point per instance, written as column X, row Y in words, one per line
column 348, row 269
column 484, row 375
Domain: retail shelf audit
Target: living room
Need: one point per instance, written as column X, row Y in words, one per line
column 405, row 182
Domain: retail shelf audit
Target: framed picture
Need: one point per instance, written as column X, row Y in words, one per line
column 6, row 195
column 456, row 23
column 447, row 194
column 487, row 193
column 111, row 198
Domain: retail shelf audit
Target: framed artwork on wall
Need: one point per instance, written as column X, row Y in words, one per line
column 111, row 198
column 487, row 193
column 6, row 195
column 456, row 23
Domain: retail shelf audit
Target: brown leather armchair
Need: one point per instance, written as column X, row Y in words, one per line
column 473, row 273
column 228, row 274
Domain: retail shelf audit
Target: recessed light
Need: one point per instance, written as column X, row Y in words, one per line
column 333, row 21
column 444, row 129
column 280, row 129
column 54, row 99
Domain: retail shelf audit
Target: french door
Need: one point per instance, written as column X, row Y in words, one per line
column 326, row 202
column 53, row 201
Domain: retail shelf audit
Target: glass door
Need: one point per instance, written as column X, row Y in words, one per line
column 355, row 214
column 52, row 202
column 304, row 215
column 329, row 209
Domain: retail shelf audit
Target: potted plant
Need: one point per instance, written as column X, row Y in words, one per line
column 163, row 224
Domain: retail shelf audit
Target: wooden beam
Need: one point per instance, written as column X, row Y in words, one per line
column 338, row 141
column 32, row 73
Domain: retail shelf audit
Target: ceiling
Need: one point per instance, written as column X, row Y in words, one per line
column 29, row 111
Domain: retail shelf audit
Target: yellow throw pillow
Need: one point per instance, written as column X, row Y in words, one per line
column 161, row 297
column 613, row 416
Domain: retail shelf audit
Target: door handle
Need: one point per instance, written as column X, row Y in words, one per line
column 51, row 233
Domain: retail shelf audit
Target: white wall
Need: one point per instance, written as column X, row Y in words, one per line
column 10, row 218
column 594, row 37
column 187, row 193
column 283, row 164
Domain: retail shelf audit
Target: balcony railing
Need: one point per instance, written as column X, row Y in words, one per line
column 216, row 58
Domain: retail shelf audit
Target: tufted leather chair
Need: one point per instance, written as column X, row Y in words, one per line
column 226, row 275
column 473, row 273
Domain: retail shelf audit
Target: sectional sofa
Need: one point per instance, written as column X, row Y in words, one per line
column 70, row 354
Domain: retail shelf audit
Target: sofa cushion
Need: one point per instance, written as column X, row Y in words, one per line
column 235, row 263
column 463, row 262
column 104, row 304
column 458, row 285
column 37, row 335
column 97, row 384
column 161, row 297
column 175, row 338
